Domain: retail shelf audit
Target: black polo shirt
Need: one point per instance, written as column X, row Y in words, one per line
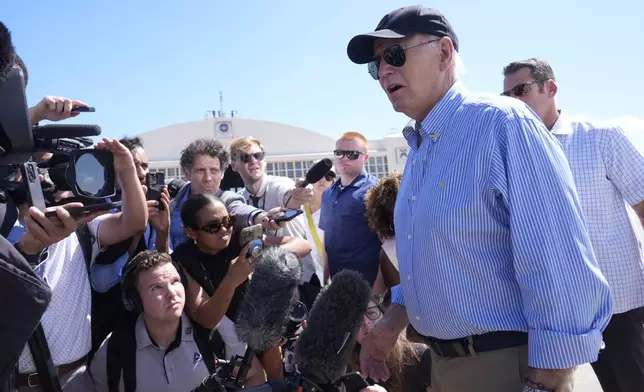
column 210, row 270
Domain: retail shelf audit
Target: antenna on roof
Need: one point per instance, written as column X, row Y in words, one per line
column 220, row 113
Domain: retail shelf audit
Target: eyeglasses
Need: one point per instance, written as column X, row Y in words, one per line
column 393, row 55
column 351, row 155
column 373, row 313
column 520, row 89
column 245, row 158
column 213, row 227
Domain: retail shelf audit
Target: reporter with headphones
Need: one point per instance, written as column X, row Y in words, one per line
column 163, row 349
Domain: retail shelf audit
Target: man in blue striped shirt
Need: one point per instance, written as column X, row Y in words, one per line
column 496, row 265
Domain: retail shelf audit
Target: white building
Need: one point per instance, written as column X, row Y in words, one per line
column 289, row 150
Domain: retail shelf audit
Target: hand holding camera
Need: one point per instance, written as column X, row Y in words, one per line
column 159, row 211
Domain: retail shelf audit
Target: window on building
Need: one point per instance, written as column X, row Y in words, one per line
column 377, row 166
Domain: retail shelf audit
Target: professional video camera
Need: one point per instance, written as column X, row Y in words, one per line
column 87, row 172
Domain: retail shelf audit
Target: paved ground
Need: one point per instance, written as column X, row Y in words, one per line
column 585, row 380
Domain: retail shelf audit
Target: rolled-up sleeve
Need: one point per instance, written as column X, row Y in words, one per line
column 565, row 298
column 623, row 153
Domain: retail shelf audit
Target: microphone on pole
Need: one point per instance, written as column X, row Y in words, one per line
column 325, row 346
column 7, row 56
column 265, row 311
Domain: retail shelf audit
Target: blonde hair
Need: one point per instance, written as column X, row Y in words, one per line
column 351, row 136
column 243, row 145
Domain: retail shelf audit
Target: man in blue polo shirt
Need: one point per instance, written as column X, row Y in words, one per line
column 348, row 241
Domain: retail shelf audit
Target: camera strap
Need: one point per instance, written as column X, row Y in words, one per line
column 39, row 348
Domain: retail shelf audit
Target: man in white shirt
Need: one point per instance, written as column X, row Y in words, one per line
column 58, row 258
column 607, row 163
column 265, row 192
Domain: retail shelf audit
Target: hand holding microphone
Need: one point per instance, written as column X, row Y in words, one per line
column 301, row 194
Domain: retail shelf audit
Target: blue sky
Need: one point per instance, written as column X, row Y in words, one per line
column 145, row 64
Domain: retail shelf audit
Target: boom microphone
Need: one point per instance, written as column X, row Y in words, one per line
column 264, row 312
column 317, row 172
column 6, row 52
column 324, row 347
column 58, row 131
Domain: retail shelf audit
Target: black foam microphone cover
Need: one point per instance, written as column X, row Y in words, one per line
column 317, row 172
column 325, row 346
column 269, row 299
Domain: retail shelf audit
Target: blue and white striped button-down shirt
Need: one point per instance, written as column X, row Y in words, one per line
column 490, row 234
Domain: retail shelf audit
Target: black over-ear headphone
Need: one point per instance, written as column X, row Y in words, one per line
column 130, row 296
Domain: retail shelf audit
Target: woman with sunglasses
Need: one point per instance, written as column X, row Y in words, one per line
column 408, row 362
column 217, row 272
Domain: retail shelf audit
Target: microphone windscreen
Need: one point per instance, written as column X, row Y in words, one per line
column 325, row 346
column 60, row 131
column 269, row 299
column 6, row 52
column 318, row 171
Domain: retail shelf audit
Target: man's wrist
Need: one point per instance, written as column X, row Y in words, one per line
column 29, row 245
column 256, row 217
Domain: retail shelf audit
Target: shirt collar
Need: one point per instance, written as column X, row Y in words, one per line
column 440, row 115
column 562, row 126
column 357, row 182
column 143, row 339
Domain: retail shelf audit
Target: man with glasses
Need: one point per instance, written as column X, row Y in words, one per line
column 607, row 163
column 268, row 192
column 497, row 271
column 348, row 241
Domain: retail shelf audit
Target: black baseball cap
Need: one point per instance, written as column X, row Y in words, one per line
column 401, row 23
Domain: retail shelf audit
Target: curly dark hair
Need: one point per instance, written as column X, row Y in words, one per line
column 380, row 202
column 131, row 142
column 210, row 147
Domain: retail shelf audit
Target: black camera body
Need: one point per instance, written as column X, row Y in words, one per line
column 87, row 172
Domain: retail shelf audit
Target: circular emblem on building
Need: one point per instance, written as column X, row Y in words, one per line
column 223, row 127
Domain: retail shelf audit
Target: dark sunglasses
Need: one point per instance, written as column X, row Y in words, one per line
column 519, row 90
column 373, row 313
column 246, row 157
column 214, row 226
column 393, row 55
column 351, row 155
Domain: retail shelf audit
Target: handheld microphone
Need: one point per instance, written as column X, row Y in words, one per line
column 317, row 172
column 6, row 52
column 325, row 346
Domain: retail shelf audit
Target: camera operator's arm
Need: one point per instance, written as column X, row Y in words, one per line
column 296, row 245
column 53, row 109
column 271, row 361
column 208, row 311
column 133, row 217
column 40, row 231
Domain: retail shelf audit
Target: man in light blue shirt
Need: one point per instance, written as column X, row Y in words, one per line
column 496, row 265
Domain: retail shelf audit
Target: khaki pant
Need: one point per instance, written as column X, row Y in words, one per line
column 491, row 371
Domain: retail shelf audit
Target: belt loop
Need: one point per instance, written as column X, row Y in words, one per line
column 470, row 345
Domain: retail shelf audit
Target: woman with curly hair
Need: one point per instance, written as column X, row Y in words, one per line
column 380, row 202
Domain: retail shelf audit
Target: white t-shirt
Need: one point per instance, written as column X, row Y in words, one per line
column 66, row 321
